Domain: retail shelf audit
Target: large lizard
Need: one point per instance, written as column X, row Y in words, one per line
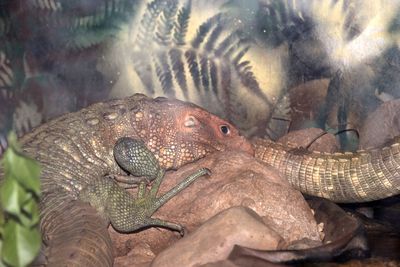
column 76, row 152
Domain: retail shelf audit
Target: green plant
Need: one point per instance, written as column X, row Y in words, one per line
column 19, row 214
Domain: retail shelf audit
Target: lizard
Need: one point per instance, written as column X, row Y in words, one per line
column 348, row 177
column 76, row 153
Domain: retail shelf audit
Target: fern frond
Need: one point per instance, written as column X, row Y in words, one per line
column 240, row 55
column 204, row 30
column 248, row 79
column 148, row 22
column 166, row 23
column 81, row 39
column 234, row 48
column 46, row 5
column 209, row 46
column 182, row 23
column 6, row 72
column 226, row 43
column 163, row 72
column 204, row 72
column 214, row 76
column 191, row 59
column 178, row 69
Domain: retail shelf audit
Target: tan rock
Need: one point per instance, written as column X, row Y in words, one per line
column 237, row 180
column 381, row 126
column 214, row 239
column 306, row 102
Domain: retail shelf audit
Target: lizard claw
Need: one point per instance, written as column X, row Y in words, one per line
column 207, row 171
column 183, row 231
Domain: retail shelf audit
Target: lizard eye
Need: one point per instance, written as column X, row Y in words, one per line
column 225, row 129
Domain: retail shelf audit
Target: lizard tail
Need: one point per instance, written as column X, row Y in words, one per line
column 345, row 178
column 74, row 233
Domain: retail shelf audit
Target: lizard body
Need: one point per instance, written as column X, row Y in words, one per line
column 76, row 154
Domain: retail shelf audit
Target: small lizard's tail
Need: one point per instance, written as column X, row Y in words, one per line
column 74, row 233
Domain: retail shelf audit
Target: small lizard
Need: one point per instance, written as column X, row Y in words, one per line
column 76, row 152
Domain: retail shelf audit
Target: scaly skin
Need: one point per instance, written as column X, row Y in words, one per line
column 128, row 214
column 76, row 153
column 349, row 177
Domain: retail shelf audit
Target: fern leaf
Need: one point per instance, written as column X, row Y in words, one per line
column 191, row 59
column 178, row 69
column 163, row 72
column 209, row 46
column 81, row 38
column 166, row 23
column 226, row 43
column 46, row 5
column 182, row 23
column 6, row 72
column 240, row 55
column 148, row 23
column 204, row 71
column 244, row 66
column 204, row 29
column 214, row 77
column 249, row 80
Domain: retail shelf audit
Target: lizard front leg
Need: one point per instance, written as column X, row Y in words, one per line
column 125, row 212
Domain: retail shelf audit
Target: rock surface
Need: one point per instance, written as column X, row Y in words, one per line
column 306, row 102
column 215, row 239
column 237, row 180
column 381, row 126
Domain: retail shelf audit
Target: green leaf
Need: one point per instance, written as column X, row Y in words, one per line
column 11, row 196
column 2, row 220
column 24, row 169
column 30, row 207
column 1, row 258
column 21, row 244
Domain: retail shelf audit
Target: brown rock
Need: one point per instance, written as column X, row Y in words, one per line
column 306, row 101
column 237, row 180
column 314, row 139
column 381, row 126
column 214, row 239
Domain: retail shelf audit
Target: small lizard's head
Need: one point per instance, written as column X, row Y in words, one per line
column 181, row 132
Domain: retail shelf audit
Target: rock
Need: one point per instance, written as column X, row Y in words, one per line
column 214, row 239
column 314, row 139
column 306, row 102
column 237, row 180
column 381, row 126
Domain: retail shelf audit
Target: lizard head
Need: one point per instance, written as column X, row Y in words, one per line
column 180, row 132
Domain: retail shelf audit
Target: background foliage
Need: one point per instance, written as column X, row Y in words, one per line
column 19, row 215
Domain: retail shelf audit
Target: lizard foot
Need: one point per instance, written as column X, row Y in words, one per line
column 126, row 213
